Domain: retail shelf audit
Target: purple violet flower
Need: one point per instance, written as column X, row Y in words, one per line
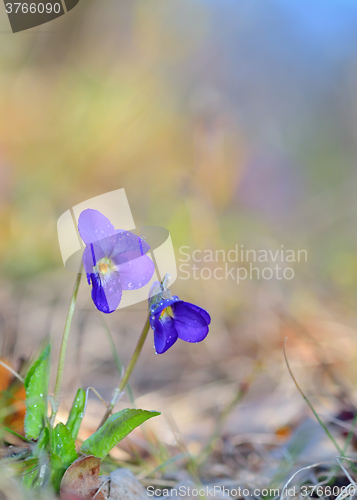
column 114, row 260
column 172, row 319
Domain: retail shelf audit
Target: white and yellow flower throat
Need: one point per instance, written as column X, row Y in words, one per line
column 105, row 267
column 166, row 313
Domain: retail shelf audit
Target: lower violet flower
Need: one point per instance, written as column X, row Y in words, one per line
column 114, row 260
column 172, row 319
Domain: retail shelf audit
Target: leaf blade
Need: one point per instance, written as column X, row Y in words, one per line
column 63, row 452
column 76, row 414
column 62, row 444
column 117, row 426
column 36, row 386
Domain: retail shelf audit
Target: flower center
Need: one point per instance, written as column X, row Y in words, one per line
column 103, row 265
column 167, row 312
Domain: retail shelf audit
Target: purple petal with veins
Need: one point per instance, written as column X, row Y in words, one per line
column 128, row 246
column 91, row 255
column 94, row 226
column 136, row 273
column 106, row 295
column 191, row 321
column 165, row 335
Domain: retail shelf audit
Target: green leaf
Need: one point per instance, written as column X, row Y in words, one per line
column 57, row 471
column 44, row 354
column 114, row 430
column 76, row 414
column 56, row 462
column 63, row 444
column 63, row 453
column 36, row 385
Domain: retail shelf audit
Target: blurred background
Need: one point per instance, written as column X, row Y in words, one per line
column 227, row 122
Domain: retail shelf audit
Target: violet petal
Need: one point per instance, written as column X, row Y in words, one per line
column 91, row 255
column 188, row 309
column 128, row 247
column 94, row 226
column 136, row 273
column 106, row 291
column 165, row 334
column 190, row 323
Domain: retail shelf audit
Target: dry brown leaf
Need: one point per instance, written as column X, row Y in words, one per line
column 81, row 480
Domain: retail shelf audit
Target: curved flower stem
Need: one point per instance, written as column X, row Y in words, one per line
column 125, row 378
column 65, row 336
column 328, row 433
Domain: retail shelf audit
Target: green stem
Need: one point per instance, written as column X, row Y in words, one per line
column 65, row 336
column 328, row 433
column 125, row 378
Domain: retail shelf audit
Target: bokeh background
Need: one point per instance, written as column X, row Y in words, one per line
column 227, row 122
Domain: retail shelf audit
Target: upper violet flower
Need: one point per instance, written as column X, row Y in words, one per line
column 172, row 319
column 114, row 260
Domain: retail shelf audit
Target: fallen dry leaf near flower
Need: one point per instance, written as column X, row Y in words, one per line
column 82, row 480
